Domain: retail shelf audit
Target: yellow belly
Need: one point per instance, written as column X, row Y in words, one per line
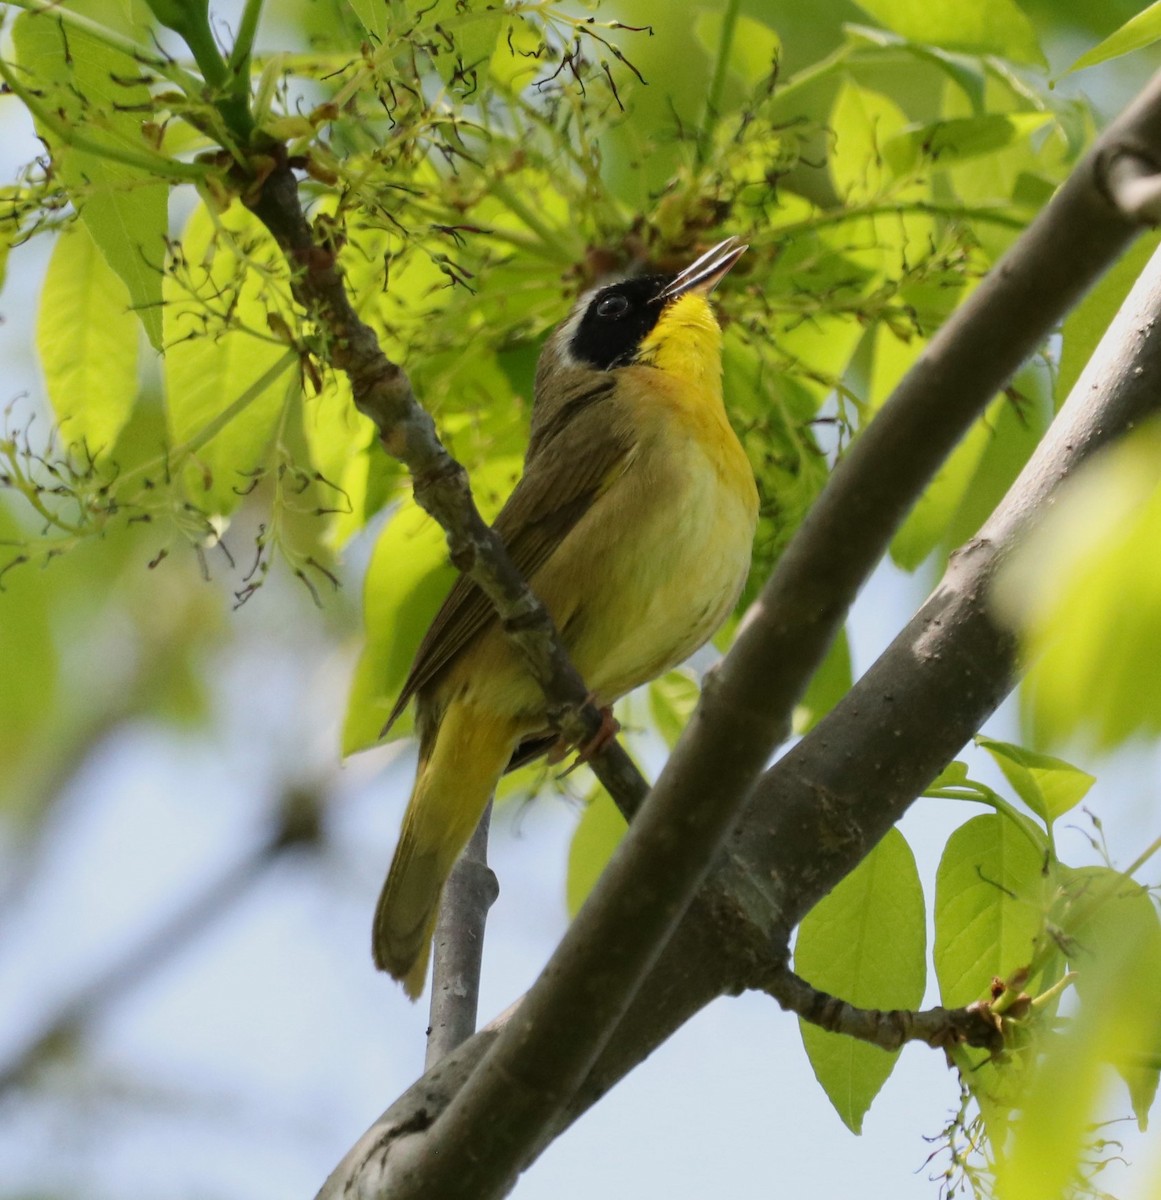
column 674, row 542
column 651, row 570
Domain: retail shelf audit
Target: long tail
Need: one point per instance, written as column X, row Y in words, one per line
column 457, row 775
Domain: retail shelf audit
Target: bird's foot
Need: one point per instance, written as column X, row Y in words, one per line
column 608, row 729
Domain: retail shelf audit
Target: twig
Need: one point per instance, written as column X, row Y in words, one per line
column 889, row 1030
column 470, row 891
column 383, row 392
column 848, row 781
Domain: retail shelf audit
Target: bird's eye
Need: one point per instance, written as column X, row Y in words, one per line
column 612, row 307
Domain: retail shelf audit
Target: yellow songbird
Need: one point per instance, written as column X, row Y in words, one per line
column 633, row 522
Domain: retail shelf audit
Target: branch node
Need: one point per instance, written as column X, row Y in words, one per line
column 1132, row 182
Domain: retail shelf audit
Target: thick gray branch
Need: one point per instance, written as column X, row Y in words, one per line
column 820, row 809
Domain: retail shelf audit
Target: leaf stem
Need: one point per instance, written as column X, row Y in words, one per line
column 980, row 793
column 713, row 99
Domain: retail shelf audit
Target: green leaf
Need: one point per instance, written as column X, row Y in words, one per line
column 1085, row 592
column 87, row 339
column 218, row 298
column 955, row 774
column 462, row 40
column 974, row 478
column 407, row 579
column 945, row 143
column 989, row 907
column 28, row 656
column 985, row 27
column 862, row 120
column 967, row 73
column 990, row 900
column 1138, row 31
column 672, row 699
column 1085, row 325
column 1114, row 944
column 864, row 943
column 597, row 835
column 829, row 684
column 1049, row 786
column 124, row 209
column 374, row 16
column 754, row 52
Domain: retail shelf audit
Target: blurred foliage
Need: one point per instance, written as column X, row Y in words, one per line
column 1086, row 592
column 478, row 167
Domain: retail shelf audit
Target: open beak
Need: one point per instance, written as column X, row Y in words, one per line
column 709, row 270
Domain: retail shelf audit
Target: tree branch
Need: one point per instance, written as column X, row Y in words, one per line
column 382, row 391
column 824, row 805
column 471, row 890
column 974, row 1025
column 531, row 1072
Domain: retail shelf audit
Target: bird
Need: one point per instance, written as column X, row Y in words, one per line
column 633, row 522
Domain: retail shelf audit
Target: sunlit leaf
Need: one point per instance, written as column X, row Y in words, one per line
column 974, row 478
column 1140, row 30
column 989, row 907
column 754, row 51
column 1085, row 591
column 407, row 579
column 88, row 341
column 672, row 699
column 988, row 27
column 943, row 143
column 863, row 122
column 98, row 89
column 597, row 835
column 220, row 299
column 829, row 684
column 1085, row 325
column 841, row 948
column 1048, row 785
column 990, row 902
column 1115, row 946
column 375, row 16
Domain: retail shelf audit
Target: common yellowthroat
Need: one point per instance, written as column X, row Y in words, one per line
column 633, row 522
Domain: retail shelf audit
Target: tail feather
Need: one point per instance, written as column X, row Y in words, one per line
column 452, row 788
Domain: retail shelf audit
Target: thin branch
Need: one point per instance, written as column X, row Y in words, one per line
column 824, row 805
column 944, row 1028
column 470, row 891
column 383, row 392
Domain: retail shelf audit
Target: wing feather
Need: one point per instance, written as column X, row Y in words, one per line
column 555, row 491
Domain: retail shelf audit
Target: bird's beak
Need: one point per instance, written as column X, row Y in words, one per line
column 709, row 270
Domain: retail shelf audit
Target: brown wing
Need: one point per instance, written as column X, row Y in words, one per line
column 560, row 482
